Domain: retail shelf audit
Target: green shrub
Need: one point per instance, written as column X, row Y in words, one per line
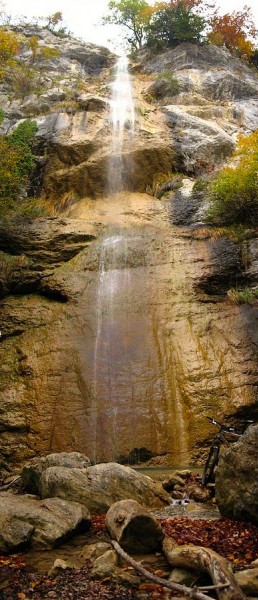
column 234, row 193
column 16, row 164
column 171, row 84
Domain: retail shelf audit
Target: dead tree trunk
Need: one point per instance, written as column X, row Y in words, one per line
column 206, row 561
column 133, row 527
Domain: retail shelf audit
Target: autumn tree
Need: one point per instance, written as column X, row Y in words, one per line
column 134, row 15
column 234, row 192
column 236, row 31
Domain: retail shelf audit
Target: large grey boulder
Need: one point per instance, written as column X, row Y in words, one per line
column 96, row 487
column 31, row 474
column 24, row 521
column 237, row 478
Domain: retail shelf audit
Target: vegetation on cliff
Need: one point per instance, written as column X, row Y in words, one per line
column 174, row 21
column 234, row 192
column 16, row 167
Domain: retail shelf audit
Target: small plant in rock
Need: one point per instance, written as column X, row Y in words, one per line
column 245, row 295
column 68, row 106
column 37, row 51
column 170, row 82
column 23, row 80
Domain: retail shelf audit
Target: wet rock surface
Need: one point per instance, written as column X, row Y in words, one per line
column 196, row 343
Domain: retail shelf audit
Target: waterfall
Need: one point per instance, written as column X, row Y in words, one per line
column 122, row 119
column 114, row 276
column 135, row 395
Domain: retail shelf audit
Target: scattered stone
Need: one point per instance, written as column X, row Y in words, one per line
column 58, row 566
column 248, row 581
column 31, row 474
column 183, row 576
column 170, row 483
column 104, row 566
column 93, row 551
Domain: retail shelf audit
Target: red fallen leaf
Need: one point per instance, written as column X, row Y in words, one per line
column 149, row 587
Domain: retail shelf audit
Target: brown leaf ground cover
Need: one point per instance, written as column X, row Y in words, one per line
column 236, row 540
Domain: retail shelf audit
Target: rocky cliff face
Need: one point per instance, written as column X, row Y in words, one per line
column 116, row 330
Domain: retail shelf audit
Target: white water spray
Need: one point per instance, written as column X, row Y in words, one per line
column 122, row 119
column 114, row 276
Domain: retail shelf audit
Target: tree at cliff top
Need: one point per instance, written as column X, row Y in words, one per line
column 236, row 31
column 176, row 22
column 134, row 15
column 234, row 192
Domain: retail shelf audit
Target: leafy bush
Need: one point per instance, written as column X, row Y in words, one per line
column 9, row 48
column 22, row 139
column 16, row 164
column 234, row 193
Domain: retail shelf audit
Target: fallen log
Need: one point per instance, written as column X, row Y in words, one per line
column 133, row 527
column 206, row 561
column 176, row 587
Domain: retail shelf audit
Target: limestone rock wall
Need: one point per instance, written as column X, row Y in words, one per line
column 116, row 330
column 106, row 362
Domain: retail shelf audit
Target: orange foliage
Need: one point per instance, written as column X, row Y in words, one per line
column 9, row 46
column 236, row 31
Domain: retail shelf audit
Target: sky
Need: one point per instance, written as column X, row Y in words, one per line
column 82, row 16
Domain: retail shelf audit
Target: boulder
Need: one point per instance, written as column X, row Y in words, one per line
column 248, row 581
column 25, row 520
column 236, row 485
column 96, row 487
column 31, row 474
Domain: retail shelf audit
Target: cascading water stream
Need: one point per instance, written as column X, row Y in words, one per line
column 136, row 401
column 114, row 276
column 122, row 118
